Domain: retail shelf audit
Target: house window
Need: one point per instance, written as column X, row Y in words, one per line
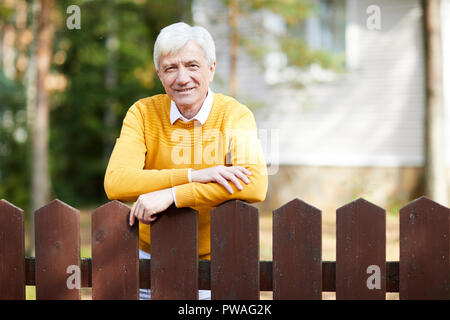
column 325, row 29
column 322, row 35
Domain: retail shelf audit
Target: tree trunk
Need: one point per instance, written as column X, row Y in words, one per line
column 21, row 44
column 38, row 105
column 233, row 14
column 435, row 166
column 112, row 46
column 9, row 51
column 41, row 180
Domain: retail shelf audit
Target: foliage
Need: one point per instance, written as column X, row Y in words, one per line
column 299, row 54
column 14, row 167
column 292, row 11
column 6, row 12
column 78, row 131
column 292, row 43
column 78, row 152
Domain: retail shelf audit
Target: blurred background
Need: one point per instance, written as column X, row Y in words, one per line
column 350, row 97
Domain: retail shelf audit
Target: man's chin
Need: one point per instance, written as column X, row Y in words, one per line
column 184, row 100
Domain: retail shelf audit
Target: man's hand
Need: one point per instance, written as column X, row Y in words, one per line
column 222, row 175
column 149, row 204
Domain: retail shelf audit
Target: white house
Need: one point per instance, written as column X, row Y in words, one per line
column 346, row 135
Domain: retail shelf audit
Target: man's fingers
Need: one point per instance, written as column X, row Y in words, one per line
column 232, row 178
column 139, row 212
column 241, row 176
column 150, row 215
column 245, row 170
column 239, row 172
column 224, row 183
column 132, row 218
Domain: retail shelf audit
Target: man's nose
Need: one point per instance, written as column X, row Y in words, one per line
column 182, row 77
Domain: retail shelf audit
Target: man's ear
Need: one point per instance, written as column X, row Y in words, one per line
column 212, row 70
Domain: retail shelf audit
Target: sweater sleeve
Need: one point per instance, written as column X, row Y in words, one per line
column 125, row 177
column 245, row 150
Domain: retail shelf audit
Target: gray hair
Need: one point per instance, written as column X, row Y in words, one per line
column 175, row 36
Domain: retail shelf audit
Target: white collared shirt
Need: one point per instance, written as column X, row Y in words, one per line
column 201, row 116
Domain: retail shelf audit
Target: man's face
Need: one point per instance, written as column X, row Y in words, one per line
column 186, row 75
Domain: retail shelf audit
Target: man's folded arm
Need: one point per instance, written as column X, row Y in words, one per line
column 125, row 177
column 245, row 151
column 212, row 194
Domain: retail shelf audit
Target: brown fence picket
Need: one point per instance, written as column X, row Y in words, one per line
column 360, row 251
column 174, row 255
column 57, row 239
column 12, row 252
column 297, row 252
column 235, row 251
column 424, row 250
column 115, row 254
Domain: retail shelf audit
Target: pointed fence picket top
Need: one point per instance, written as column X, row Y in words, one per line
column 235, row 251
column 297, row 252
column 57, row 239
column 115, row 254
column 12, row 252
column 174, row 255
column 360, row 251
column 424, row 250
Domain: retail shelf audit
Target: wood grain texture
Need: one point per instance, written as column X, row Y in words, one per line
column 57, row 239
column 361, row 251
column 174, row 255
column 297, row 252
column 424, row 250
column 12, row 252
column 235, row 251
column 115, row 254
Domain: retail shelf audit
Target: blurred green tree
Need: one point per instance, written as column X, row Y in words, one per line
column 14, row 160
column 97, row 72
column 109, row 65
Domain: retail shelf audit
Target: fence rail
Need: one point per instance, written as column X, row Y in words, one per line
column 234, row 272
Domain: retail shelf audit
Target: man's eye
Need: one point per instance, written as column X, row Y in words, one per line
column 194, row 66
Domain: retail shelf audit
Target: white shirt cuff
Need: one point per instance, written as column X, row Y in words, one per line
column 189, row 175
column 174, row 198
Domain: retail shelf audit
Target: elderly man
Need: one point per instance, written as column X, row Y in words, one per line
column 189, row 147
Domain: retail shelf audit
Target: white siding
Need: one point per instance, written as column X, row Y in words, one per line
column 372, row 116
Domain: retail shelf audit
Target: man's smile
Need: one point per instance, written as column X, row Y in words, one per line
column 187, row 90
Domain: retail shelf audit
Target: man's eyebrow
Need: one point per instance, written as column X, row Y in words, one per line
column 165, row 65
column 192, row 61
column 173, row 64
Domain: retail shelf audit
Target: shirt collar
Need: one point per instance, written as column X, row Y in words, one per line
column 201, row 115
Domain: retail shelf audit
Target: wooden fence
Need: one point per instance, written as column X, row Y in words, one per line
column 234, row 272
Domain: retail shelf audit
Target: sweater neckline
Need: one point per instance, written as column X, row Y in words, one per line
column 190, row 124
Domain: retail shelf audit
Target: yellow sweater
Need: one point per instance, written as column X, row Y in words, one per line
column 152, row 154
